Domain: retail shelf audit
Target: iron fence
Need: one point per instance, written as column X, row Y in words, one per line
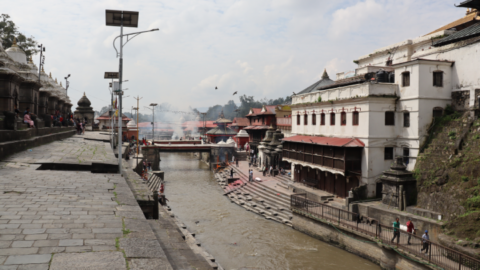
column 429, row 251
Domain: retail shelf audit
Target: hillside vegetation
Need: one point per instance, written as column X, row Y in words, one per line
column 448, row 174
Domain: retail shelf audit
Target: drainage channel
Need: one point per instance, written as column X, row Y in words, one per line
column 92, row 167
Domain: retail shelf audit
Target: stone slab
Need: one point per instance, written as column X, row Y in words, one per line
column 28, row 259
column 141, row 248
column 149, row 264
column 89, row 260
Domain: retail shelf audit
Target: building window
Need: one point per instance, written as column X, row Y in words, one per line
column 355, row 117
column 406, row 156
column 388, row 153
column 406, row 119
column 314, row 119
column 343, row 118
column 305, row 119
column 298, row 120
column 389, row 63
column 437, row 112
column 438, row 78
column 322, row 119
column 332, row 119
column 405, row 79
column 389, row 118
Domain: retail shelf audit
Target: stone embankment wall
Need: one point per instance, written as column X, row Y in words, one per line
column 351, row 242
column 30, row 138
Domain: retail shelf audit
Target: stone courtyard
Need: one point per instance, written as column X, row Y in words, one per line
column 52, row 219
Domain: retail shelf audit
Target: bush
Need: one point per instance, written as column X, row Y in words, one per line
column 465, row 178
column 319, row 99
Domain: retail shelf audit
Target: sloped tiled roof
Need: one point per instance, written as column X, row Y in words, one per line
column 459, row 24
column 324, row 81
column 255, row 111
column 332, row 141
column 344, row 82
column 469, row 32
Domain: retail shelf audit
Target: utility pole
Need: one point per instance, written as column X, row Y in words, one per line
column 42, row 62
column 137, row 108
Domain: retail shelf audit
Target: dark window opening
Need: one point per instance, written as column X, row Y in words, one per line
column 406, row 119
column 388, row 153
column 314, row 119
column 389, row 119
column 332, row 119
column 343, row 118
column 389, row 63
column 305, row 119
column 322, row 119
column 437, row 112
column 298, row 120
column 406, row 156
column 438, row 78
column 406, row 79
column 355, row 117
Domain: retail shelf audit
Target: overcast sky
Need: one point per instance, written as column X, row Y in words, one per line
column 259, row 48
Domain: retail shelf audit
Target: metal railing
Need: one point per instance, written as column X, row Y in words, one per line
column 429, row 251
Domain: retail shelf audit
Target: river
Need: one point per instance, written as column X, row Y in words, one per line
column 237, row 238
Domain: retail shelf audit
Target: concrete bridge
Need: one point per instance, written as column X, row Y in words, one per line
column 210, row 153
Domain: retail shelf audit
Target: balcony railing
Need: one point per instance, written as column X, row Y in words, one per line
column 432, row 252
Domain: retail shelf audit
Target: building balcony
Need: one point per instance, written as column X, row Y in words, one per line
column 284, row 122
column 348, row 92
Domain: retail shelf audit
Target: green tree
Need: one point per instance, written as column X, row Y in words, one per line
column 8, row 31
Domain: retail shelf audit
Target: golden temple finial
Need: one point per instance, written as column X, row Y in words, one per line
column 50, row 75
column 83, row 93
column 61, row 84
column 56, row 80
column 43, row 70
column 30, row 60
column 14, row 43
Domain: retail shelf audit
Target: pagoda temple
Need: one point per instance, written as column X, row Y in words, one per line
column 221, row 132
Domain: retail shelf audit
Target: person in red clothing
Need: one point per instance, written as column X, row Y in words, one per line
column 410, row 229
column 162, row 189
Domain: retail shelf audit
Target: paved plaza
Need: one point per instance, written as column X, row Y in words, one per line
column 71, row 219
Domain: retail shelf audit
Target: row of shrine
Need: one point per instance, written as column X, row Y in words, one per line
column 21, row 88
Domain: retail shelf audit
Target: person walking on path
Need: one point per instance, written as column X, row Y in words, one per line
column 410, row 229
column 396, row 230
column 271, row 170
column 149, row 165
column 231, row 173
column 264, row 169
column 249, row 175
column 425, row 239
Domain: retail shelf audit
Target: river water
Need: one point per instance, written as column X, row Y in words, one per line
column 237, row 238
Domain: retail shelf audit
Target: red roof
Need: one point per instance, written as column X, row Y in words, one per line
column 333, row 141
column 240, row 122
column 257, row 127
column 198, row 124
column 124, row 118
column 255, row 111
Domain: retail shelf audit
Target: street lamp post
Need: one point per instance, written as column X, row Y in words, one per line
column 153, row 123
column 123, row 19
column 42, row 61
column 67, row 83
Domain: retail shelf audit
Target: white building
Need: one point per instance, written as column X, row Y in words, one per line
column 349, row 132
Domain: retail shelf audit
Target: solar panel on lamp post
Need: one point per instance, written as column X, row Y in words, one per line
column 122, row 18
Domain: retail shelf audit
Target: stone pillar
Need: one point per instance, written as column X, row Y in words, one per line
column 52, row 104
column 43, row 103
column 9, row 91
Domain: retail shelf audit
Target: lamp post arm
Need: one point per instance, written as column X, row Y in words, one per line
column 130, row 38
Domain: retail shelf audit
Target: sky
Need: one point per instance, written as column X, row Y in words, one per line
column 261, row 48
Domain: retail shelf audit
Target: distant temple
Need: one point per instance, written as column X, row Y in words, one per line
column 84, row 111
column 221, row 132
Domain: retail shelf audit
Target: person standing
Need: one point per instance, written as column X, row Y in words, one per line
column 271, row 170
column 231, row 173
column 162, row 189
column 149, row 165
column 410, row 229
column 425, row 239
column 396, row 230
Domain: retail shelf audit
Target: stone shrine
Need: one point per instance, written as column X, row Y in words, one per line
column 399, row 187
column 84, row 110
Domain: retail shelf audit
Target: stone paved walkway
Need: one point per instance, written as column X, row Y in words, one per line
column 56, row 216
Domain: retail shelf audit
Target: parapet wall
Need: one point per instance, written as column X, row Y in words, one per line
column 8, row 148
column 15, row 135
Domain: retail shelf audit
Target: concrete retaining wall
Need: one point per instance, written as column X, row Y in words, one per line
column 15, row 135
column 383, row 256
column 11, row 147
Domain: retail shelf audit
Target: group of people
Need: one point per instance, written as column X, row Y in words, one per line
column 57, row 117
column 147, row 166
column 26, row 117
column 411, row 231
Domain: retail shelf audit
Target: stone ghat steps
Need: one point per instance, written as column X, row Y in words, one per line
column 259, row 199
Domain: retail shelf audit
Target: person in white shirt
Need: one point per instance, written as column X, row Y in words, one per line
column 425, row 240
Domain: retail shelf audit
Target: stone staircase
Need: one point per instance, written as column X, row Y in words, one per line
column 257, row 198
column 241, row 156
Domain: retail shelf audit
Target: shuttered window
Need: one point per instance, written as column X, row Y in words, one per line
column 406, row 79
column 389, row 119
column 355, row 119
column 438, row 78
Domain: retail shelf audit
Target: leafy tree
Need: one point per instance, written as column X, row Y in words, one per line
column 8, row 30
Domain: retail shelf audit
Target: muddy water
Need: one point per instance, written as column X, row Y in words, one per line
column 239, row 239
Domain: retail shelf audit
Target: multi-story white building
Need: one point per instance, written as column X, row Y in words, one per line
column 348, row 132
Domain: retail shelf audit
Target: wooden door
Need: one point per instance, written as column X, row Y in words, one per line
column 340, row 186
column 330, row 183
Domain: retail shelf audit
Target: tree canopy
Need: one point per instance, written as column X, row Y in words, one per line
column 8, row 31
